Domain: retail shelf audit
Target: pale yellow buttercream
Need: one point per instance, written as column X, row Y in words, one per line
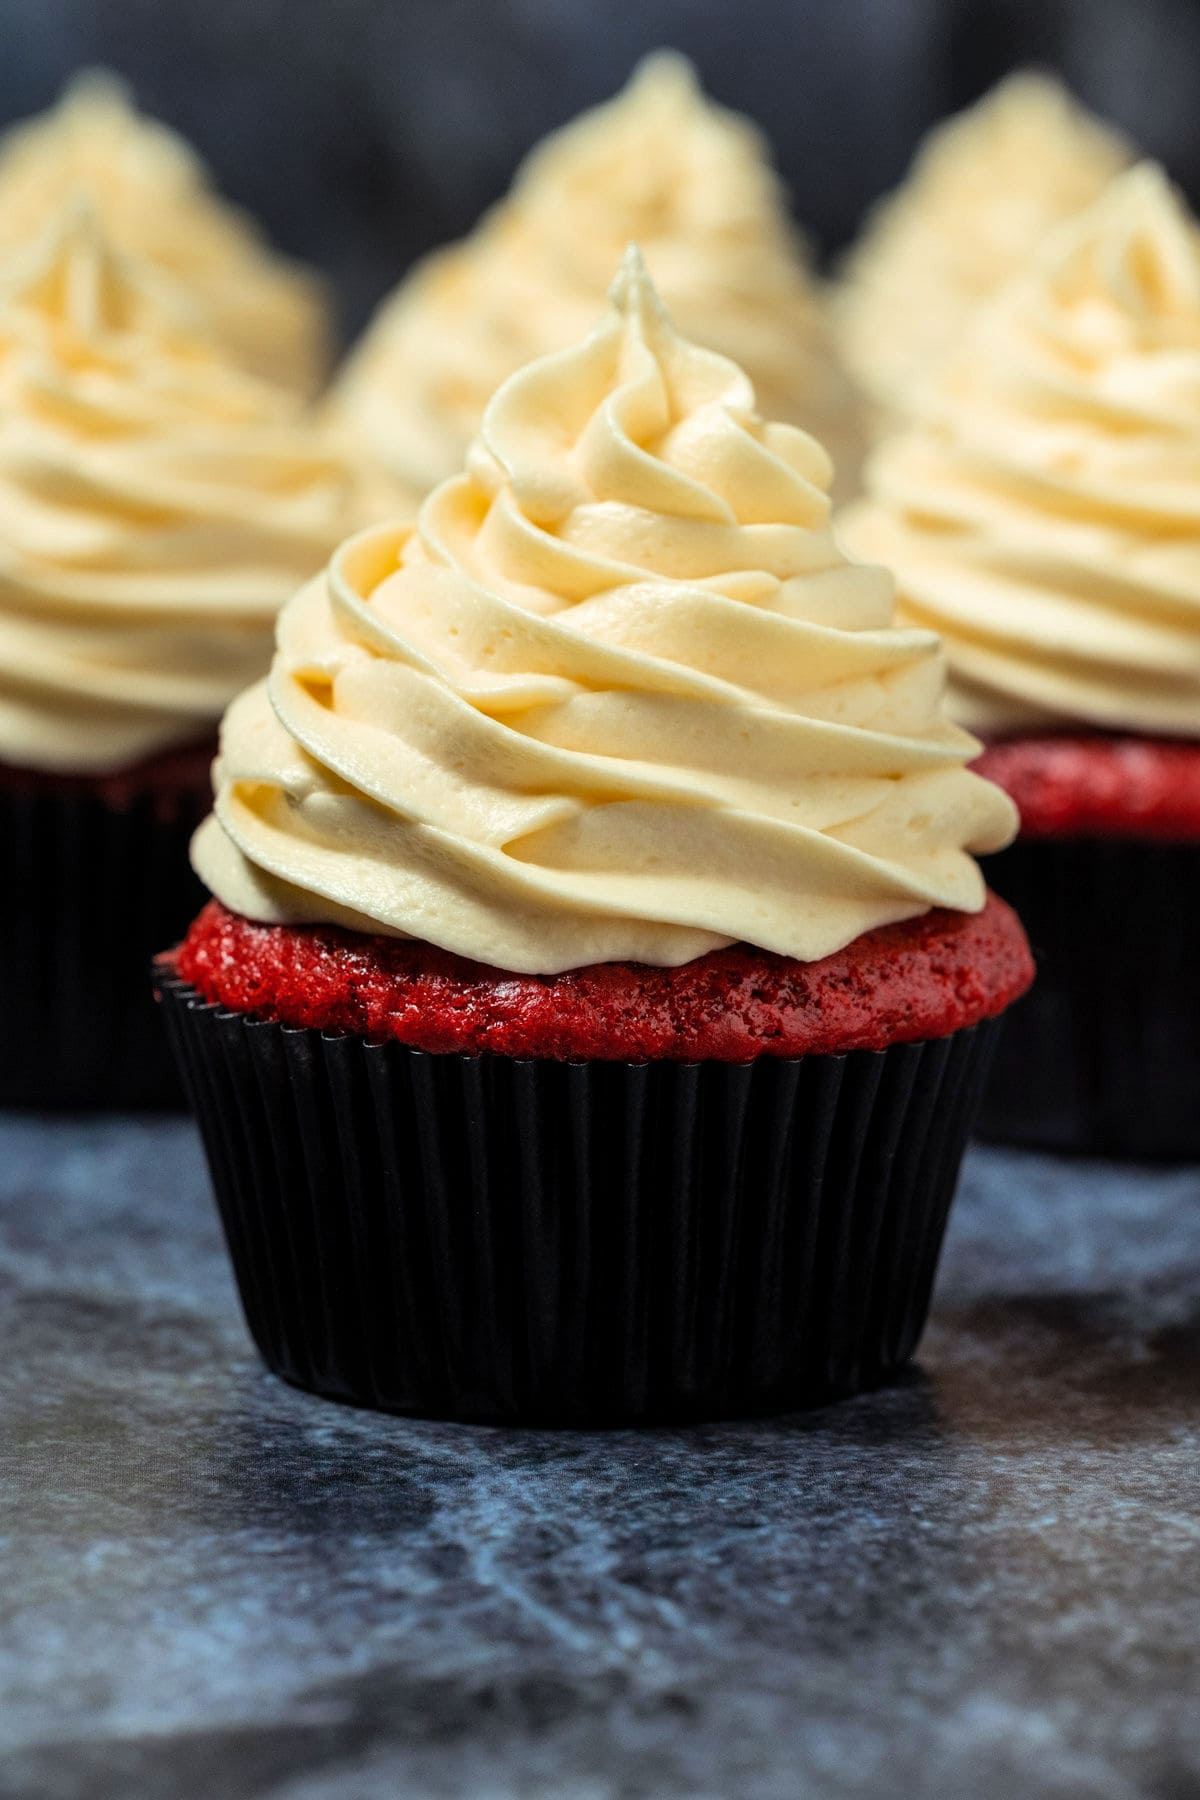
column 1044, row 514
column 157, row 506
column 985, row 188
column 618, row 694
column 663, row 165
column 154, row 200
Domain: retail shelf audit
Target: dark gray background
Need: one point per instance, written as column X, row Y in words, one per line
column 363, row 131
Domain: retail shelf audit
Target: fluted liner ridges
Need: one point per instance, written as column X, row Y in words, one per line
column 88, row 894
column 1103, row 1053
column 487, row 1238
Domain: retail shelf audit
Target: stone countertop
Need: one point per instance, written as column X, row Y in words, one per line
column 982, row 1584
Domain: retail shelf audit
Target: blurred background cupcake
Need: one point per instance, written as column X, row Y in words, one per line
column 151, row 195
column 1042, row 516
column 662, row 164
column 380, row 133
column 368, row 133
column 612, row 783
column 983, row 190
column 157, row 504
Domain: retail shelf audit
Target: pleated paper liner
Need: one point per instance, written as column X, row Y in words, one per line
column 89, row 893
column 1103, row 1053
column 493, row 1239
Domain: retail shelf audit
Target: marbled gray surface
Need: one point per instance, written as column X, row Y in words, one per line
column 981, row 1585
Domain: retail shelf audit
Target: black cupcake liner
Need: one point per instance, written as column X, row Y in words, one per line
column 89, row 893
column 493, row 1239
column 1103, row 1053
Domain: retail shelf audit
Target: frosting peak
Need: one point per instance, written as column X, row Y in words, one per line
column 654, row 425
column 984, row 189
column 78, row 289
column 616, row 696
column 151, row 196
column 1042, row 513
column 157, row 506
column 660, row 163
column 634, row 294
column 1131, row 267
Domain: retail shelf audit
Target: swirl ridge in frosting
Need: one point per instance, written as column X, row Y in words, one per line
column 660, row 163
column 157, row 506
column 616, row 696
column 1042, row 512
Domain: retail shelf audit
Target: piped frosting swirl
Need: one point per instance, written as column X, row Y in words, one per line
column 617, row 696
column 157, row 506
column 662, row 164
column 1044, row 513
column 985, row 188
column 154, row 201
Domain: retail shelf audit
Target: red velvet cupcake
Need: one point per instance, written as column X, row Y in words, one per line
column 593, row 1008
column 1042, row 516
column 159, row 506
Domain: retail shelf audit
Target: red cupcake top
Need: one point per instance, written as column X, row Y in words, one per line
column 924, row 978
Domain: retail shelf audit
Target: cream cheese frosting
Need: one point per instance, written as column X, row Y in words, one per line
column 661, row 164
column 157, row 506
column 616, row 695
column 153, row 198
column 1044, row 513
column 984, row 189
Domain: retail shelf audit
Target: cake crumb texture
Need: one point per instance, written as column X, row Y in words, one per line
column 924, row 978
column 1099, row 786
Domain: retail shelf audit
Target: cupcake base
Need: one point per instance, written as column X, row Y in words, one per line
column 491, row 1238
column 97, row 878
column 1103, row 1054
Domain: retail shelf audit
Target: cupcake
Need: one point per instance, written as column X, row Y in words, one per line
column 592, row 1006
column 985, row 188
column 692, row 183
column 153, row 198
column 1042, row 516
column 157, row 505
